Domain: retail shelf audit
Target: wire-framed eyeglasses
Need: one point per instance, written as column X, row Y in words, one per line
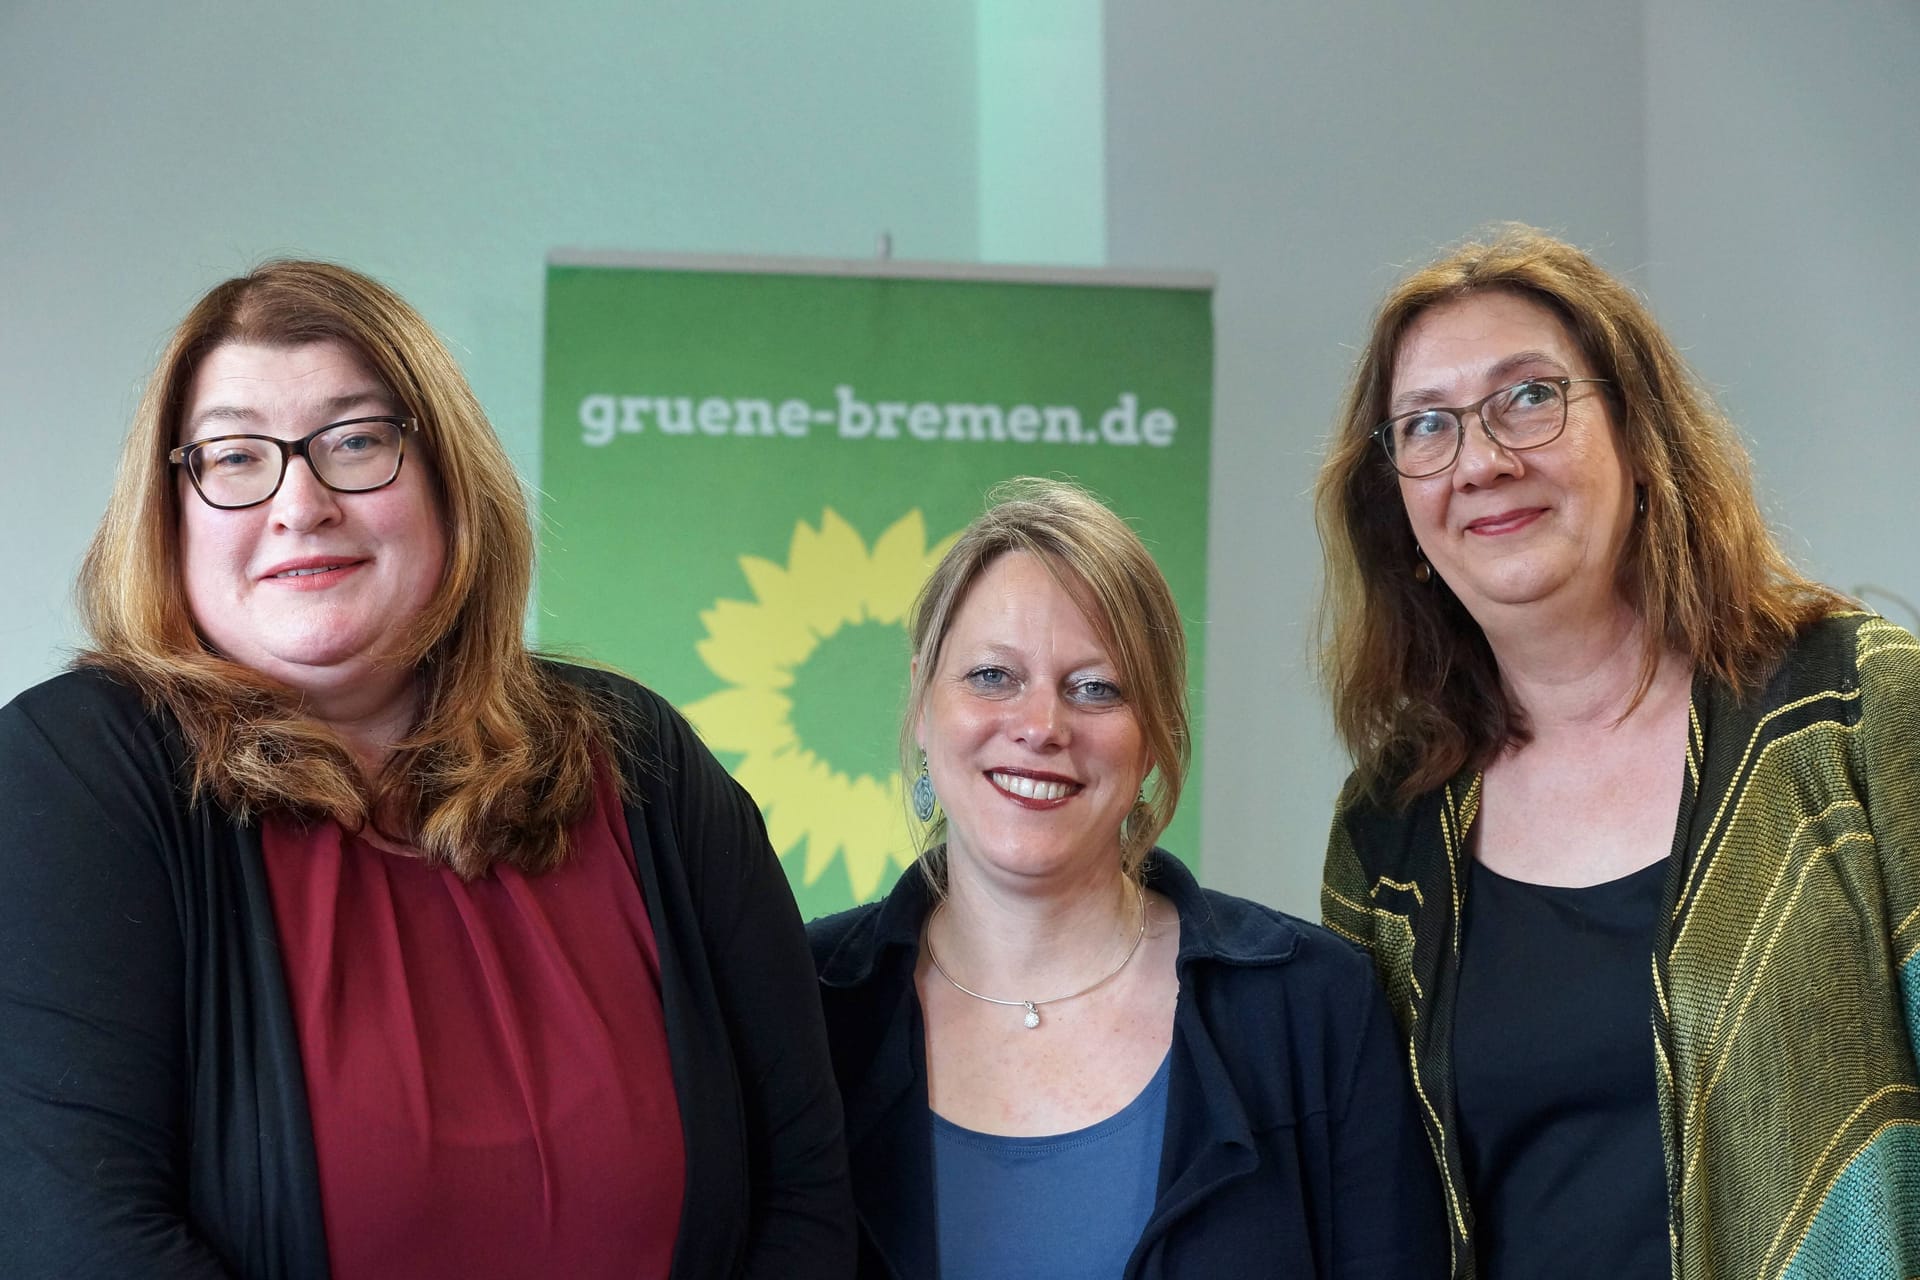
column 354, row 456
column 1523, row 416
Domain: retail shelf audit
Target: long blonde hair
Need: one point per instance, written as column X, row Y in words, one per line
column 501, row 758
column 1098, row 558
column 1416, row 692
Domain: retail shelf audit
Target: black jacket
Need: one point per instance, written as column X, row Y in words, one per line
column 153, row 1118
column 1292, row 1147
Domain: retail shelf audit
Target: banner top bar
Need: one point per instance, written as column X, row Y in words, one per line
column 885, row 269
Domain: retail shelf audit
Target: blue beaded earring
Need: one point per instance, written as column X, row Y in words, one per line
column 923, row 793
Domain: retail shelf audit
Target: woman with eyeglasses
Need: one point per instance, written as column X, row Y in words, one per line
column 1634, row 828
column 340, row 935
column 1060, row 1056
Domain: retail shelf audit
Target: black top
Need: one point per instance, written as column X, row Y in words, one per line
column 1554, row 1077
column 153, row 1117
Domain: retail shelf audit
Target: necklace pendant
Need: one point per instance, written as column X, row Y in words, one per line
column 1033, row 1015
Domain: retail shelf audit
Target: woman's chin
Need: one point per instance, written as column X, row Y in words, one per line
column 1523, row 585
column 1030, row 858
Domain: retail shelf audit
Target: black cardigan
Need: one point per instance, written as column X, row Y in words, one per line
column 153, row 1117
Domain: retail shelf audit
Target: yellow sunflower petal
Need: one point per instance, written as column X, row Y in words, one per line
column 874, row 834
column 742, row 719
column 826, row 840
column 747, row 646
column 897, row 569
column 777, row 779
column 773, row 587
column 819, row 563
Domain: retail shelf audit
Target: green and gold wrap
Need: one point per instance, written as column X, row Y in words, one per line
column 1785, row 974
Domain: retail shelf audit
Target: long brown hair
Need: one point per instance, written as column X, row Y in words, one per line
column 501, row 758
column 1416, row 692
column 1098, row 558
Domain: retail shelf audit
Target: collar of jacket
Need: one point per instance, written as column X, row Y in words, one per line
column 1209, row 1139
column 1225, row 931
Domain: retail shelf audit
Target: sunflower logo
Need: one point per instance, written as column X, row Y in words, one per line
column 816, row 666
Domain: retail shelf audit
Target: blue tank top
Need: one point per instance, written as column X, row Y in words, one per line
column 1067, row 1206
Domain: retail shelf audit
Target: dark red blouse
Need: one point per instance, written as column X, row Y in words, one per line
column 486, row 1062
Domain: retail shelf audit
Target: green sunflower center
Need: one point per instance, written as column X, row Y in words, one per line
column 846, row 699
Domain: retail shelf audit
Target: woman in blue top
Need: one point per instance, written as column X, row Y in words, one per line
column 1059, row 1055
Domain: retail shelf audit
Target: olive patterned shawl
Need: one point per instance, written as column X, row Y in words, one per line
column 1786, row 984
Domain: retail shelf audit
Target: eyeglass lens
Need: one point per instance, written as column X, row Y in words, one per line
column 351, row 457
column 1519, row 417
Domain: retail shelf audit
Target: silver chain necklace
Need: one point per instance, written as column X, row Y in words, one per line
column 1033, row 1006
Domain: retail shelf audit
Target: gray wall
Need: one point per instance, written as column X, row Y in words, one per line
column 1307, row 154
column 1783, row 241
column 148, row 151
column 1753, row 166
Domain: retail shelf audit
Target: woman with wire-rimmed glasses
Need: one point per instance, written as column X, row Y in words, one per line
column 340, row 935
column 1634, row 828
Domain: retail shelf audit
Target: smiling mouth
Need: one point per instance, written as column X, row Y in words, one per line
column 1506, row 522
column 316, row 573
column 1026, row 788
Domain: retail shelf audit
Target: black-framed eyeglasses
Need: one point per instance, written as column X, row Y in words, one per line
column 1523, row 416
column 231, row 472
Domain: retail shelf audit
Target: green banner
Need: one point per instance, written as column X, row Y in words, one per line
column 747, row 474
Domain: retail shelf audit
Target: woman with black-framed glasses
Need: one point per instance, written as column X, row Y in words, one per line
column 233, row 472
column 1634, row 832
column 340, row 934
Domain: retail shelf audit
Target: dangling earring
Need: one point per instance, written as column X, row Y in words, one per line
column 1136, row 815
column 1422, row 571
column 1639, row 499
column 923, row 793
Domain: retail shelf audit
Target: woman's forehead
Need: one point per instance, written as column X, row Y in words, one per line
column 251, row 387
column 1483, row 336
